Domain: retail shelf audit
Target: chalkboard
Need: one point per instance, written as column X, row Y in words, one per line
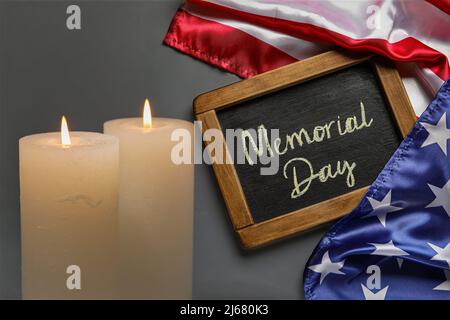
column 339, row 118
column 319, row 102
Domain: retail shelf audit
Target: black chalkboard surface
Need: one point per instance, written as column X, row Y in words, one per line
column 338, row 117
column 321, row 101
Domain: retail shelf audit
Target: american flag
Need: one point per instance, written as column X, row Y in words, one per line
column 253, row 36
column 396, row 243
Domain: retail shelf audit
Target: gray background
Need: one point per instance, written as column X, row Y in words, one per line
column 105, row 71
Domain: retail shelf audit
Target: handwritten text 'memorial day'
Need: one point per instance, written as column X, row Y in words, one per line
column 301, row 169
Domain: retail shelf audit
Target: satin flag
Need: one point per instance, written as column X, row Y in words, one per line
column 396, row 243
column 253, row 36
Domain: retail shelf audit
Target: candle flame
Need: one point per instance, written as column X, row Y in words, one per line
column 65, row 136
column 147, row 118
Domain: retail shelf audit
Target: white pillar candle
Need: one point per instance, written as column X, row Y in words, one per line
column 69, row 215
column 155, row 209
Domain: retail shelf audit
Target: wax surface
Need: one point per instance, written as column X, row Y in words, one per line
column 156, row 211
column 69, row 214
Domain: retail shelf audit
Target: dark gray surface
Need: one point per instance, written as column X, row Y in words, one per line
column 103, row 72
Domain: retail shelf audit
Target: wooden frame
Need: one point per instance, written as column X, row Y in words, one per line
column 205, row 107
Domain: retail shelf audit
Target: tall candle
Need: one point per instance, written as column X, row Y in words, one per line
column 69, row 215
column 155, row 209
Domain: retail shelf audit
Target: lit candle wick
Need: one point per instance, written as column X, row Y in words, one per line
column 65, row 136
column 147, row 118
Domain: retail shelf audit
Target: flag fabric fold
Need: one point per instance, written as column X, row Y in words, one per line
column 254, row 36
column 396, row 243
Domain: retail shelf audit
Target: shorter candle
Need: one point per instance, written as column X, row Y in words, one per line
column 155, row 208
column 69, row 216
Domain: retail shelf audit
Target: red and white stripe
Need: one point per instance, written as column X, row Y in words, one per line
column 253, row 36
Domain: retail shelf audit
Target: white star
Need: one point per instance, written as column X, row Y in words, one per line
column 442, row 197
column 445, row 286
column 327, row 266
column 369, row 295
column 388, row 249
column 438, row 133
column 382, row 208
column 442, row 253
